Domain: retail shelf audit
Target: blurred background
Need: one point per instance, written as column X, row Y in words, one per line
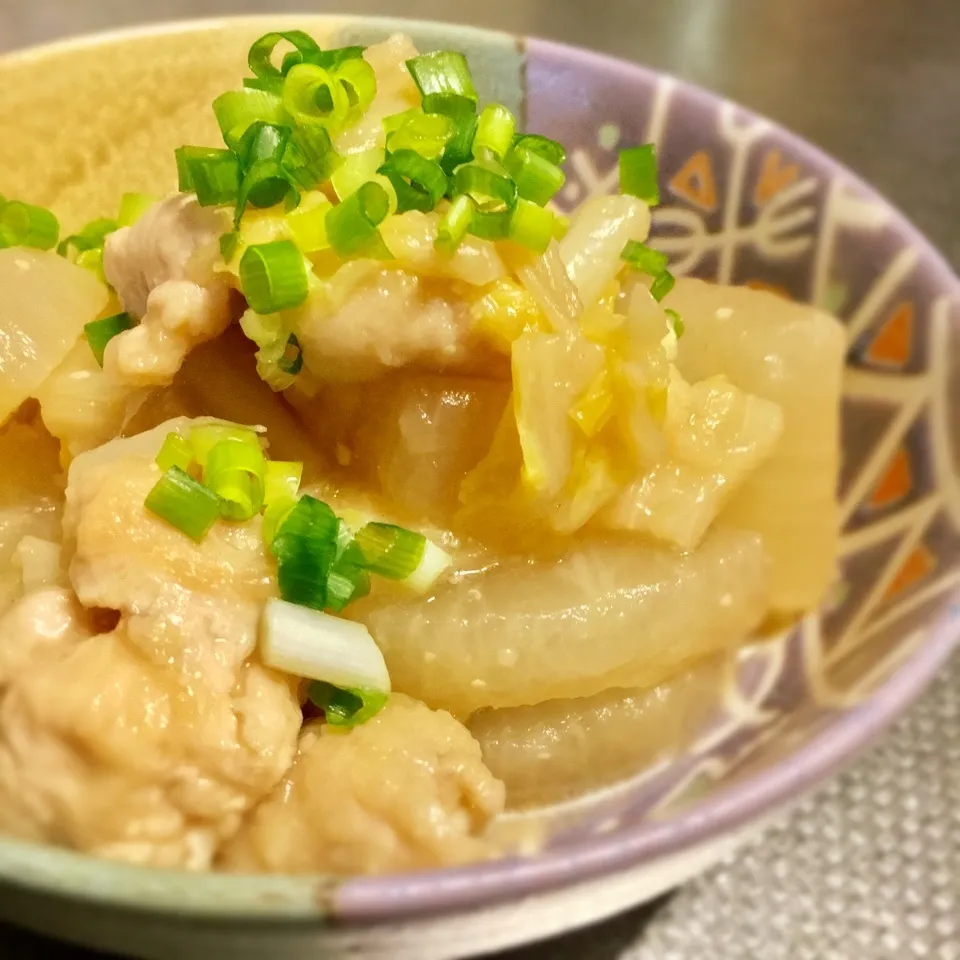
column 855, row 872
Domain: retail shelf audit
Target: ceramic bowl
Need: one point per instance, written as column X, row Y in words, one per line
column 744, row 202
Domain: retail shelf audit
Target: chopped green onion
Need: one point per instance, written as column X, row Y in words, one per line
column 310, row 158
column 360, row 85
column 228, row 245
column 91, row 237
column 24, row 225
column 454, row 224
column 206, row 436
column 185, row 504
column 490, row 191
column 312, row 95
column 652, row 262
column 676, row 322
column 445, row 71
column 433, row 564
column 308, row 226
column 273, row 276
column 662, row 285
column 313, row 644
column 273, row 516
column 550, row 150
column 237, row 110
column 419, row 183
column 462, row 113
column 234, row 472
column 532, row 226
column 495, row 129
column 101, row 332
column 92, row 260
column 265, row 184
column 537, row 178
column 348, row 579
column 491, row 224
column 638, row 173
column 261, row 53
column 133, row 206
column 346, row 708
column 281, row 479
column 214, row 175
column 262, row 141
column 644, row 258
column 305, row 546
column 356, row 170
column 352, row 224
column 335, row 60
column 426, row 134
column 389, row 550
column 175, row 452
column 291, row 360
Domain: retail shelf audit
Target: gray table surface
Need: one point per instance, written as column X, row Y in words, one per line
column 869, row 869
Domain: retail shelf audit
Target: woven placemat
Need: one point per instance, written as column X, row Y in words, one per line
column 867, row 869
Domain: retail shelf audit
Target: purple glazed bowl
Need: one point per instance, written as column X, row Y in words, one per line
column 744, row 202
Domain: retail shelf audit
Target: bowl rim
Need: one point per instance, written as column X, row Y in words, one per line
column 50, row 870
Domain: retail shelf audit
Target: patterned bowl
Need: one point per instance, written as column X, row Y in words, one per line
column 744, row 201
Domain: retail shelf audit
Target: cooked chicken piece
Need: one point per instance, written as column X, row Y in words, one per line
column 407, row 790
column 149, row 743
column 370, row 319
column 154, row 267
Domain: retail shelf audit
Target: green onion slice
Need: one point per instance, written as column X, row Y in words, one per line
column 426, row 134
column 184, row 503
column 265, row 184
column 445, row 71
column 359, row 82
column 391, row 551
column 101, row 332
column 676, row 322
column 644, row 258
column 91, row 237
column 496, row 127
column 638, row 173
column 532, row 226
column 348, row 579
column 356, row 170
column 260, row 58
column 662, row 285
column 206, row 436
column 551, row 150
column 281, row 479
column 352, row 224
column 133, row 206
column 24, row 225
column 462, row 113
column 214, row 175
column 310, row 157
column 273, row 516
column 175, row 452
column 312, row 95
column 491, row 224
column 346, row 708
column 538, row 179
column 488, row 189
column 273, row 276
column 454, row 224
column 235, row 473
column 305, row 546
column 291, row 360
column 237, row 110
column 420, row 184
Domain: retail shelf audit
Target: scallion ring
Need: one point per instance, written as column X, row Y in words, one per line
column 235, row 473
column 184, row 503
column 273, row 276
column 24, row 225
column 100, row 332
column 352, row 224
column 420, row 184
column 638, row 173
column 312, row 95
column 445, row 71
column 213, row 175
